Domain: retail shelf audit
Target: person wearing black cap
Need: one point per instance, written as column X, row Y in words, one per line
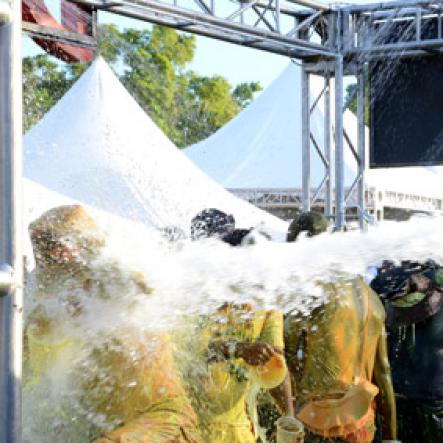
column 311, row 222
column 211, row 222
column 240, row 349
column 413, row 296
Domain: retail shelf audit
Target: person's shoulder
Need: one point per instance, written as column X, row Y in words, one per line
column 377, row 307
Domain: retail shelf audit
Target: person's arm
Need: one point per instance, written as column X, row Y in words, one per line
column 386, row 397
column 282, row 396
column 267, row 349
column 254, row 354
column 257, row 353
column 272, row 333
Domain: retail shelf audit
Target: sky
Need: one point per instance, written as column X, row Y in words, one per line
column 236, row 63
column 212, row 57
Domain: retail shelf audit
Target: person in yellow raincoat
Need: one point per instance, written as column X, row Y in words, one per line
column 338, row 360
column 89, row 374
column 235, row 352
column 336, row 354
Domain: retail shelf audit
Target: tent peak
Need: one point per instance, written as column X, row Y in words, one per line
column 100, row 64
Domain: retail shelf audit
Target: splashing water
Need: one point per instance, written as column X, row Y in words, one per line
column 180, row 280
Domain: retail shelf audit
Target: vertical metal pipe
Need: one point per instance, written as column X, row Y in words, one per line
column 346, row 37
column 277, row 16
column 10, row 224
column 439, row 33
column 361, row 145
column 418, row 24
column 327, row 142
column 339, row 157
column 306, row 142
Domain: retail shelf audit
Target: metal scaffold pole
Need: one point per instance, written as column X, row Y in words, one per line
column 361, row 146
column 11, row 265
column 306, row 142
column 328, row 150
column 339, row 157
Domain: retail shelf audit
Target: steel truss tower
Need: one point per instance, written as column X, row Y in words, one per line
column 332, row 41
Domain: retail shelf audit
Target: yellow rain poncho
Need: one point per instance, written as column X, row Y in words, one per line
column 88, row 377
column 128, row 388
column 220, row 389
column 334, row 355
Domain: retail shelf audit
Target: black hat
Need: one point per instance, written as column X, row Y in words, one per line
column 235, row 237
column 210, row 222
column 312, row 222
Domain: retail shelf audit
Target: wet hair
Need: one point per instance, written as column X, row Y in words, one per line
column 311, row 222
column 210, row 222
column 235, row 237
column 391, row 277
column 69, row 227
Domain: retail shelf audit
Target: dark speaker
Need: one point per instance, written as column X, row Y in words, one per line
column 406, row 112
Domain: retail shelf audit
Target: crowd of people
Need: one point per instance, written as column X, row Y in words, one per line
column 227, row 376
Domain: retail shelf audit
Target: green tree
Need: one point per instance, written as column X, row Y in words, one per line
column 351, row 99
column 44, row 83
column 152, row 65
column 208, row 103
column 244, row 93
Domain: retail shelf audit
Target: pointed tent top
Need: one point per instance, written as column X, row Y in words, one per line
column 261, row 146
column 97, row 147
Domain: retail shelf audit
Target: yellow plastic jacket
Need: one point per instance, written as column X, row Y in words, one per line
column 331, row 356
column 220, row 389
column 123, row 386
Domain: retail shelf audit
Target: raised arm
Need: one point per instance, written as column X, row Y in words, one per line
column 386, row 397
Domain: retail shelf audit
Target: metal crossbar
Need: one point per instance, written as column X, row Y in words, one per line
column 266, row 25
column 331, row 42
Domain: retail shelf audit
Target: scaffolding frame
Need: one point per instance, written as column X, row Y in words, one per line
column 332, row 41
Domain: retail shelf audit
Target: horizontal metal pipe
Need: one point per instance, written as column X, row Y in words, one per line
column 180, row 13
column 312, row 4
column 387, row 5
column 46, row 32
column 404, row 14
column 377, row 56
column 400, row 46
column 260, row 44
column 284, row 9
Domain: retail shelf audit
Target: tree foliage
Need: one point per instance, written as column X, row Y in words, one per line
column 44, row 83
column 152, row 65
column 351, row 98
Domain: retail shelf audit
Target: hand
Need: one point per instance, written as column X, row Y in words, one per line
column 217, row 351
column 255, row 354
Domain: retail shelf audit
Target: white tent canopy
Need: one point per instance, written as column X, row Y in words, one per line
column 261, row 147
column 97, row 147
